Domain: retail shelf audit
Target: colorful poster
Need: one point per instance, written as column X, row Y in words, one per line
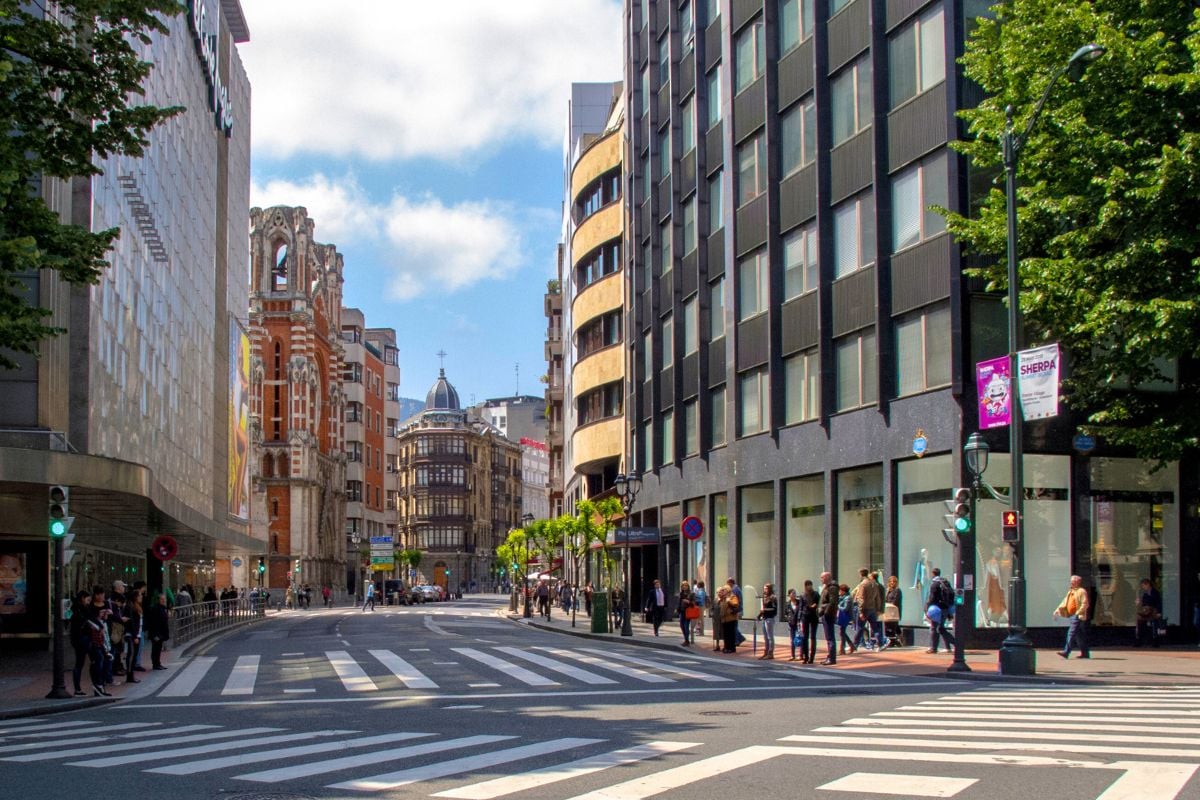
column 993, row 378
column 13, row 583
column 1039, row 381
column 239, row 421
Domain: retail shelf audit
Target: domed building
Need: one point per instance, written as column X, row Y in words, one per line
column 460, row 491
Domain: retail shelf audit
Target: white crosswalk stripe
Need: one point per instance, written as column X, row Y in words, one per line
column 661, row 665
column 563, row 669
column 119, row 747
column 623, row 669
column 210, row 764
column 220, row 747
column 19, row 727
column 412, row 677
column 507, row 667
column 153, row 731
column 352, row 675
column 245, row 673
column 186, row 681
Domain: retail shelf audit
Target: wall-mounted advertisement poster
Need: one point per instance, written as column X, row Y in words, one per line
column 24, row 587
column 993, row 378
column 1039, row 381
column 239, row 421
column 14, row 583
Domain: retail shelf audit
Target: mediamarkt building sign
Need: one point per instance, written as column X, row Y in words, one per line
column 206, row 48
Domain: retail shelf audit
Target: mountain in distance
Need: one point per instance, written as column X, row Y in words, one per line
column 410, row 407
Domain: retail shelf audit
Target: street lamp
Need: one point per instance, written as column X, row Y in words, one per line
column 1016, row 653
column 526, row 520
column 627, row 487
column 976, row 453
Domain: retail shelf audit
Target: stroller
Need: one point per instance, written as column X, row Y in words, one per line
column 891, row 626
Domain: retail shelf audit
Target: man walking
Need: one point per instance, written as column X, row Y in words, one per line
column 370, row 598
column 656, row 606
column 827, row 608
column 870, row 605
column 1075, row 608
column 941, row 600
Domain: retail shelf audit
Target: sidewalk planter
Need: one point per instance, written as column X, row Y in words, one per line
column 600, row 612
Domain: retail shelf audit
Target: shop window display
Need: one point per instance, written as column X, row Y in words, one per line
column 922, row 486
column 804, row 532
column 859, row 522
column 757, row 507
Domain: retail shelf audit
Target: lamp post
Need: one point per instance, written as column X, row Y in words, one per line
column 976, row 452
column 1016, row 653
column 526, row 520
column 627, row 487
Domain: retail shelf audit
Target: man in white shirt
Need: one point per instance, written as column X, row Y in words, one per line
column 656, row 606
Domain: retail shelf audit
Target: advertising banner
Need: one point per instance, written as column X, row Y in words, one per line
column 239, row 421
column 994, row 382
column 1039, row 381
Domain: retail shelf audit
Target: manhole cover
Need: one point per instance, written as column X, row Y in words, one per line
column 264, row 796
column 724, row 713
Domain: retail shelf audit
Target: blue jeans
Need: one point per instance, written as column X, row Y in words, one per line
column 769, row 633
column 830, row 639
column 870, row 627
column 1077, row 638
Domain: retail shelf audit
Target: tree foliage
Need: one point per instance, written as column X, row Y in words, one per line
column 69, row 85
column 1108, row 181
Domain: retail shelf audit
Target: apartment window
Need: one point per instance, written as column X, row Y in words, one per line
column 647, row 446
column 664, row 62
column 353, row 411
column 755, row 390
column 716, row 417
column 917, row 57
column 668, row 437
column 601, row 332
column 647, row 356
column 752, row 169
column 690, row 238
column 646, row 177
column 752, row 279
column 668, row 340
column 795, row 23
column 850, row 104
column 854, row 234
column 691, row 430
column 802, row 387
column 800, row 267
column 393, row 391
column 714, row 97
column 923, row 351
column 354, row 451
column 664, row 153
column 352, row 373
column 687, row 126
column 749, row 55
column 716, row 305
column 601, row 403
column 857, row 383
column 687, row 27
column 913, row 191
column 691, row 326
column 644, row 95
column 837, row 5
column 354, row 491
column 666, row 249
column 716, row 202
column 603, row 261
column 798, row 132
column 647, row 268
column 598, row 194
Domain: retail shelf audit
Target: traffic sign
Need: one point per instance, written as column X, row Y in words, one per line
column 692, row 528
column 237, row 562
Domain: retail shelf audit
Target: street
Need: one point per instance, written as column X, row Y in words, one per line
column 451, row 700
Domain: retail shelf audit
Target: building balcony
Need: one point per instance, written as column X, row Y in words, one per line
column 598, row 443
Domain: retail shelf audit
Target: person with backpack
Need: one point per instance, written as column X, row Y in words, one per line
column 941, row 604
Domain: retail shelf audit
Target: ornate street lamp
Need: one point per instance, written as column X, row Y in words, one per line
column 627, row 487
column 526, row 521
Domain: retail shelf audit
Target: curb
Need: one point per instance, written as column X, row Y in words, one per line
column 55, row 707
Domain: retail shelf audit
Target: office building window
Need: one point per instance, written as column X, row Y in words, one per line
column 802, row 387
column 647, row 447
column 664, row 62
column 752, row 169
column 668, row 340
column 647, row 356
column 668, row 437
column 712, row 10
column 917, row 57
column 647, row 178
column 800, row 268
column 644, row 95
column 691, row 326
column 854, row 234
column 664, row 153
column 754, row 388
column 850, row 103
column 687, row 27
column 857, row 381
column 714, row 97
column 647, row 268
column 687, row 126
column 923, row 351
column 716, row 202
column 837, row 5
column 913, row 191
column 795, row 23
column 666, row 249
column 798, row 137
column 752, row 278
column 716, row 417
column 716, row 305
column 749, row 55
column 690, row 238
column 691, row 430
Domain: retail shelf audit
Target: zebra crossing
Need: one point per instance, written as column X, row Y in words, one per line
column 455, row 668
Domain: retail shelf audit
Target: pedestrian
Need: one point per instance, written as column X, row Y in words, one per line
column 1074, row 607
column 941, row 601
column 327, row 596
column 80, row 641
column 158, row 629
column 99, row 642
column 768, row 614
column 687, row 609
column 892, row 597
column 809, row 622
column 793, row 611
column 1149, row 613
column 736, row 591
column 656, row 605
column 116, row 626
column 370, row 598
column 869, row 595
column 701, row 600
column 730, row 611
column 827, row 611
column 133, row 635
column 587, row 598
column 845, row 616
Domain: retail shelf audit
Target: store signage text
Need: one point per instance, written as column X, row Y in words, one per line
column 206, row 48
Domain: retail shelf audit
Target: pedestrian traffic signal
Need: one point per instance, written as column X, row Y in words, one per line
column 1010, row 526
column 262, row 566
column 958, row 509
column 59, row 512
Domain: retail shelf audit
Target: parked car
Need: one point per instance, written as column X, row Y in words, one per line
column 392, row 588
column 429, row 593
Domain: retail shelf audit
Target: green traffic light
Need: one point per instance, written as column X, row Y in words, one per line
column 57, row 528
column 962, row 525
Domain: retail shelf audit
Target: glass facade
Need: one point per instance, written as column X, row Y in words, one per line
column 755, row 535
column 804, row 532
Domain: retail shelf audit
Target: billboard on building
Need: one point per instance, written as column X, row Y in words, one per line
column 239, row 421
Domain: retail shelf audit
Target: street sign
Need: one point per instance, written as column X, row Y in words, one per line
column 381, row 540
column 692, row 528
column 237, row 562
column 633, row 536
column 920, row 443
column 1083, row 443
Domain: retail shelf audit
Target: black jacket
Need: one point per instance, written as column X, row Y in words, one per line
column 827, row 605
column 158, row 625
column 770, row 608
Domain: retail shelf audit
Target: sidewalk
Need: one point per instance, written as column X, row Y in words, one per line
column 1128, row 666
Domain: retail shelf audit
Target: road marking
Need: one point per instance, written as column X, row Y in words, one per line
column 219, row 747
column 1073, row 717
column 947, row 707
column 623, row 669
column 406, row 672
column 1059, row 746
column 122, row 746
column 483, row 685
column 299, row 691
column 462, row 707
column 923, row 724
column 664, row 666
column 1067, row 702
column 564, row 669
column 418, row 649
column 378, row 757
column 512, row 670
column 241, row 680
column 286, row 655
column 909, row 785
column 510, row 784
column 1142, row 780
column 1034, row 735
column 209, row 764
column 393, row 780
column 445, row 663
column 189, row 678
column 351, row 674
column 439, row 630
column 774, row 679
column 153, row 732
column 674, row 778
column 21, row 726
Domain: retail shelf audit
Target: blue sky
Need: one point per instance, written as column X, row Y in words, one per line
column 425, row 140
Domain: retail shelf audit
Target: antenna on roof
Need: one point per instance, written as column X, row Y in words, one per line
column 517, row 370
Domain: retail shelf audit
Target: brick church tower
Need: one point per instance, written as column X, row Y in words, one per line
column 297, row 401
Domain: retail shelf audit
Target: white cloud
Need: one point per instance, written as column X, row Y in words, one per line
column 421, row 244
column 386, row 79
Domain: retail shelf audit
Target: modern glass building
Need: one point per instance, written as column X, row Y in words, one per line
column 802, row 343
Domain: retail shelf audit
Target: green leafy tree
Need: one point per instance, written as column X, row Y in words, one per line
column 590, row 526
column 69, row 84
column 1108, row 181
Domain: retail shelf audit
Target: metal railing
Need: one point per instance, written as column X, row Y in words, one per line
column 200, row 619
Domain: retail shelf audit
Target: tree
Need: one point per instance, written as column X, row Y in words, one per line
column 66, row 82
column 1109, row 246
column 590, row 525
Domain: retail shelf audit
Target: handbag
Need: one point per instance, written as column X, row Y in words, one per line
column 692, row 612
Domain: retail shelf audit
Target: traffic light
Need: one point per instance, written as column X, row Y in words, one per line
column 59, row 512
column 1010, row 526
column 958, row 508
column 262, row 565
column 297, row 565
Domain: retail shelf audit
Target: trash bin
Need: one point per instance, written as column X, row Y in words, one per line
column 600, row 612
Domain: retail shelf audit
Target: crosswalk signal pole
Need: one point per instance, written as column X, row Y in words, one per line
column 59, row 522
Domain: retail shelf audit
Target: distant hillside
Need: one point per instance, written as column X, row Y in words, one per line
column 410, row 407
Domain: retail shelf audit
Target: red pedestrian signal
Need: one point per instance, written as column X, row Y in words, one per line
column 1010, row 526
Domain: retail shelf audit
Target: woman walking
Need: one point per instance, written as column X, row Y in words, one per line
column 158, row 629
column 686, row 601
column 793, row 611
column 768, row 614
column 133, row 635
column 893, row 596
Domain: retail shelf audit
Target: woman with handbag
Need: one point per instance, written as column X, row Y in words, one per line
column 768, row 613
column 688, row 611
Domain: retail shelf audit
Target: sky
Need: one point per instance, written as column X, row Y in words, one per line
column 426, row 142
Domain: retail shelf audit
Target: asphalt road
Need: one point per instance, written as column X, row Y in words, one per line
column 451, row 701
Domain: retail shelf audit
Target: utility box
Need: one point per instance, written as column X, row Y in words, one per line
column 600, row 612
